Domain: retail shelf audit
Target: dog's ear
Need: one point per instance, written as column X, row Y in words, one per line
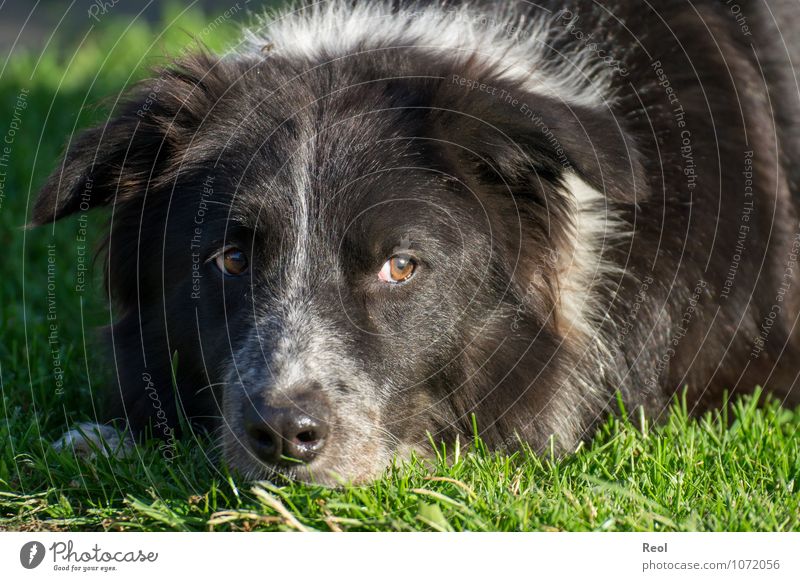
column 117, row 161
column 521, row 136
column 92, row 170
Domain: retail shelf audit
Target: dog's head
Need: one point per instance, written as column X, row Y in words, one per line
column 350, row 257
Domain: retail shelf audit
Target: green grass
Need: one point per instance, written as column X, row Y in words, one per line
column 684, row 475
column 714, row 473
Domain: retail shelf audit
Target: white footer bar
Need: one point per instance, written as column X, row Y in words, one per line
column 407, row 556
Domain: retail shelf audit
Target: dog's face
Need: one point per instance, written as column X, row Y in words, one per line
column 353, row 269
column 364, row 277
column 347, row 261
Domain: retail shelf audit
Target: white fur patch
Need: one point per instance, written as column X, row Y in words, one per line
column 88, row 439
column 496, row 37
column 582, row 270
column 582, row 267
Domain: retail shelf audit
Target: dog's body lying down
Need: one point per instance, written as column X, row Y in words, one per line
column 369, row 223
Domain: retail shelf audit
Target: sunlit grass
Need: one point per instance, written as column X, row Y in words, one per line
column 713, row 473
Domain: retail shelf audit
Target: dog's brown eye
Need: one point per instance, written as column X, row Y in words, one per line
column 399, row 268
column 232, row 261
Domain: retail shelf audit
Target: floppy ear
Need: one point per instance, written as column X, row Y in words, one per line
column 92, row 170
column 524, row 136
column 115, row 162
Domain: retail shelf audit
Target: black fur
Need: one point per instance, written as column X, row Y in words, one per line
column 386, row 149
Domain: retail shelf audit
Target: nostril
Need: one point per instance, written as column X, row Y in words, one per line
column 261, row 437
column 307, row 437
column 265, row 443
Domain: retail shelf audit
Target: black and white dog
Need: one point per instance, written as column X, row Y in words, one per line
column 373, row 220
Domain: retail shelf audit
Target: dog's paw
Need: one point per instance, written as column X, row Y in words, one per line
column 88, row 439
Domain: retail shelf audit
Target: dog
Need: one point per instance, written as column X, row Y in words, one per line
column 375, row 225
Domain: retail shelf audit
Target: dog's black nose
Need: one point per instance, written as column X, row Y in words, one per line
column 287, row 435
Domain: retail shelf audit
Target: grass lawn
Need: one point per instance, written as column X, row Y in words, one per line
column 734, row 470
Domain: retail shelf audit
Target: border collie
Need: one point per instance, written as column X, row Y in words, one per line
column 372, row 222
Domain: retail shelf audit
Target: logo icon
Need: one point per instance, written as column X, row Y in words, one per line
column 31, row 554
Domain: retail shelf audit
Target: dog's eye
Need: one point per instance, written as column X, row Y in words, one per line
column 232, row 261
column 399, row 268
